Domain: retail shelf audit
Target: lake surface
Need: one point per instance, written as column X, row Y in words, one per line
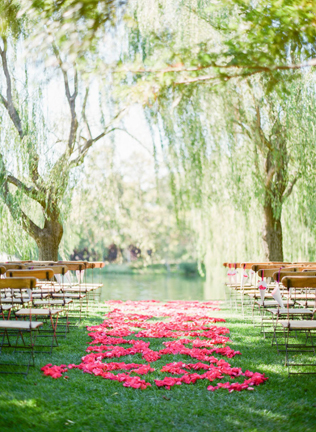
column 159, row 287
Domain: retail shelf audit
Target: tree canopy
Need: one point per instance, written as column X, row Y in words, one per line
column 227, row 89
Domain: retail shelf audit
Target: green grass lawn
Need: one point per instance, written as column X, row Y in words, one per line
column 88, row 403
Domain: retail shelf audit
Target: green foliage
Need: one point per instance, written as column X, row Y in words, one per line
column 9, row 23
column 189, row 268
column 119, row 203
column 195, row 43
column 285, row 27
column 75, row 25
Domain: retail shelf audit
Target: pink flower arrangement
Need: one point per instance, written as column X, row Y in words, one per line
column 262, row 285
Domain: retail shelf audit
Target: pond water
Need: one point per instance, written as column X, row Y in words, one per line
column 159, row 287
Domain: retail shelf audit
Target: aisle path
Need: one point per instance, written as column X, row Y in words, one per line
column 162, row 336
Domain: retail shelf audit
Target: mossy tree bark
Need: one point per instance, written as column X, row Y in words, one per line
column 277, row 188
column 272, row 234
column 49, row 239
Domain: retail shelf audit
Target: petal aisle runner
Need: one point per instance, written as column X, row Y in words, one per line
column 191, row 333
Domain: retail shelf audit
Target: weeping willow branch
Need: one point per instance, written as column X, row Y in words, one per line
column 83, row 113
column 259, row 130
column 8, row 102
column 253, row 69
column 16, row 120
column 31, row 192
column 132, row 136
column 17, row 213
column 269, row 177
column 289, row 188
column 71, row 98
column 88, row 143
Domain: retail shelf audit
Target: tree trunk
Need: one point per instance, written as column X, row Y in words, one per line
column 272, row 234
column 49, row 239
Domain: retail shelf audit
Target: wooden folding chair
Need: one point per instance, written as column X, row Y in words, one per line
column 304, row 326
column 295, row 311
column 4, row 308
column 95, row 293
column 249, row 289
column 266, row 272
column 25, row 330
column 45, row 314
column 42, row 303
column 13, row 297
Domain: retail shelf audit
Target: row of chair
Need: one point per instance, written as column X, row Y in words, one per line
column 35, row 296
column 282, row 300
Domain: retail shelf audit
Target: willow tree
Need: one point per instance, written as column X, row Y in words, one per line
column 263, row 123
column 229, row 43
column 34, row 167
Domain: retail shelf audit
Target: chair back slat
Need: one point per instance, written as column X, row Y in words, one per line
column 18, row 283
column 57, row 269
column 10, row 266
column 257, row 267
column 74, row 265
column 284, row 273
column 40, row 273
column 267, row 272
column 98, row 264
column 249, row 265
column 299, row 281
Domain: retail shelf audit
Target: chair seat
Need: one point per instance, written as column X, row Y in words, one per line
column 43, row 312
column 269, row 303
column 70, row 296
column 77, row 289
column 15, row 300
column 52, row 301
column 5, row 307
column 284, row 311
column 47, row 290
column 19, row 325
column 309, row 304
column 246, row 288
column 303, row 296
column 252, row 293
column 298, row 325
column 256, row 295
